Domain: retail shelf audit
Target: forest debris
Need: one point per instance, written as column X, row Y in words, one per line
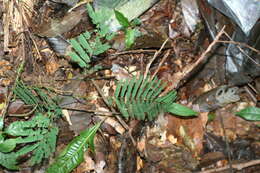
column 115, row 124
column 51, row 66
column 181, row 77
column 54, row 27
column 189, row 132
column 238, row 166
column 120, row 73
column 67, row 116
column 217, row 98
column 8, row 6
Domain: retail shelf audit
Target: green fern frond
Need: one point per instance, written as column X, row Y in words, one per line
column 38, row 130
column 140, row 98
column 88, row 44
column 37, row 136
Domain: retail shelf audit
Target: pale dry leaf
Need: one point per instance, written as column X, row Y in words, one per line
column 66, row 114
column 99, row 167
column 141, row 144
column 120, row 73
column 105, row 90
column 139, row 163
column 172, row 139
column 51, row 66
column 117, row 126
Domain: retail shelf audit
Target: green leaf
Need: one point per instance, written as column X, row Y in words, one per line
column 73, row 154
column 7, row 145
column 136, row 22
column 9, row 160
column 45, row 147
column 130, row 37
column 250, row 113
column 92, row 14
column 180, row 110
column 1, row 123
column 77, row 59
column 211, row 117
column 124, row 22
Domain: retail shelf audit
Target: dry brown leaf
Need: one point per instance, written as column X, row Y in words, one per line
column 52, row 66
column 54, row 27
column 188, row 131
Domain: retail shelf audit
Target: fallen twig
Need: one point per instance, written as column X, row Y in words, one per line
column 160, row 64
column 238, row 166
column 242, row 51
column 105, row 113
column 133, row 51
column 241, row 44
column 113, row 110
column 154, row 57
column 188, row 69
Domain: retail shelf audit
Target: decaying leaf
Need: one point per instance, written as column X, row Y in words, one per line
column 54, row 27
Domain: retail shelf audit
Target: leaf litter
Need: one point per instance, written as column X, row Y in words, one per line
column 190, row 62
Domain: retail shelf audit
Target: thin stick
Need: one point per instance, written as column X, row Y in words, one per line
column 249, row 92
column 160, row 64
column 238, row 166
column 117, row 117
column 188, row 69
column 106, row 113
column 242, row 51
column 134, row 51
column 154, row 56
column 241, row 44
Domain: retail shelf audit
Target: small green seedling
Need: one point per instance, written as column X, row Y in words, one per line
column 129, row 28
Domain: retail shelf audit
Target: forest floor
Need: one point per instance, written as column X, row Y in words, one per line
column 33, row 56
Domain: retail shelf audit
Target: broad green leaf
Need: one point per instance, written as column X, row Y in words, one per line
column 73, row 154
column 124, row 22
column 8, row 160
column 250, row 113
column 7, row 145
column 180, row 110
column 130, row 37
